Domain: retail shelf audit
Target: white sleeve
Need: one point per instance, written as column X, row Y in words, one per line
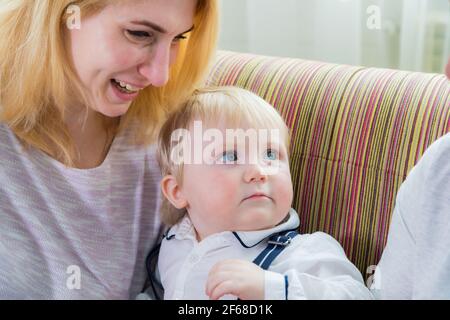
column 314, row 267
column 393, row 278
column 416, row 259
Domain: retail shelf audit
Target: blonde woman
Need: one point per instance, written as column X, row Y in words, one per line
column 83, row 88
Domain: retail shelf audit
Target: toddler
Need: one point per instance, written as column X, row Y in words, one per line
column 228, row 194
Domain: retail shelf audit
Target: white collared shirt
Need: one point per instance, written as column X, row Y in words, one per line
column 315, row 264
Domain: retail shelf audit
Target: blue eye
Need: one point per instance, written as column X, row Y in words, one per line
column 271, row 155
column 229, row 156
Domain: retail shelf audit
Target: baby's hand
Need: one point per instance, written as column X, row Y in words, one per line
column 237, row 277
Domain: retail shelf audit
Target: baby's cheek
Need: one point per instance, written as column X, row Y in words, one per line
column 286, row 200
column 285, row 190
column 223, row 187
column 227, row 187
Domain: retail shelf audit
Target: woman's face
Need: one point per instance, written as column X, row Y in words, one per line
column 126, row 47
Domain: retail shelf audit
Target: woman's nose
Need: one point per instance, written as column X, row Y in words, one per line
column 156, row 68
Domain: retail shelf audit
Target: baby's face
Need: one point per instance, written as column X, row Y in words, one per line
column 241, row 184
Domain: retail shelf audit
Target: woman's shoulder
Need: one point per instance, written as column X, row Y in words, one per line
column 3, row 129
column 434, row 162
column 428, row 183
column 7, row 140
column 440, row 148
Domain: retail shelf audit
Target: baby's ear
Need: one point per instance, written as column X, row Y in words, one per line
column 172, row 191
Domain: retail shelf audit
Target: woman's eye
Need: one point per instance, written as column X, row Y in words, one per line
column 179, row 38
column 271, row 154
column 229, row 156
column 139, row 34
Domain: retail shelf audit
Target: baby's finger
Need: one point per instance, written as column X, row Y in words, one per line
column 223, row 288
column 223, row 265
column 215, row 277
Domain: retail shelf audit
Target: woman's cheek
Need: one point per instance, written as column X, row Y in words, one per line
column 120, row 54
column 123, row 59
column 174, row 54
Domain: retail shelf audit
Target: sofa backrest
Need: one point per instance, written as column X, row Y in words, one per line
column 356, row 133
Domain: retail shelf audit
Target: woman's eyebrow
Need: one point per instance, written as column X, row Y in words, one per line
column 189, row 30
column 156, row 27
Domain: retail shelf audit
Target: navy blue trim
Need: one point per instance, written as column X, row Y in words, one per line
column 272, row 255
column 263, row 254
column 243, row 244
column 248, row 247
column 276, row 244
column 286, row 286
column 151, row 265
column 283, row 241
column 167, row 237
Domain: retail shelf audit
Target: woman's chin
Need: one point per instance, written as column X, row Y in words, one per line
column 114, row 110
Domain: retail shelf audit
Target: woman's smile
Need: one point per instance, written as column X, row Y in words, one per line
column 121, row 93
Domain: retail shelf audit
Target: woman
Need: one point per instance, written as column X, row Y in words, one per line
column 80, row 106
column 416, row 261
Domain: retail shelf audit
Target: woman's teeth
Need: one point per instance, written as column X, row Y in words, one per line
column 128, row 88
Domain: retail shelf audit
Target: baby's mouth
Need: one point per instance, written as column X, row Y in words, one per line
column 257, row 196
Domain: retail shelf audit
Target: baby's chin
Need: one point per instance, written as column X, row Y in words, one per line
column 262, row 224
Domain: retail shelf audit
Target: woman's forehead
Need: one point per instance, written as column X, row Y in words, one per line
column 164, row 16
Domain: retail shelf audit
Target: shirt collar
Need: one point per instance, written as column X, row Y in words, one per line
column 185, row 230
column 182, row 230
column 250, row 239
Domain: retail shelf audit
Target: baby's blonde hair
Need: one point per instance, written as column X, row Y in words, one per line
column 37, row 77
column 232, row 105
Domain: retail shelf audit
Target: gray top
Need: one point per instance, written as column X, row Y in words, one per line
column 76, row 234
column 416, row 261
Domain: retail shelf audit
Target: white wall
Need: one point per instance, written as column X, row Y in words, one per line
column 413, row 34
column 294, row 28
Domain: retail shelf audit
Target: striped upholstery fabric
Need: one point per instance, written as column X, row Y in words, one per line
column 356, row 133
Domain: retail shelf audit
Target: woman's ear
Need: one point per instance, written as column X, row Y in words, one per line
column 172, row 191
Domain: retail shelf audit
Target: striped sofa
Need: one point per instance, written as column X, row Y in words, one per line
column 356, row 133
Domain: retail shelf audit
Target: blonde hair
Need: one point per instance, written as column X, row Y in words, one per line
column 35, row 83
column 232, row 105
